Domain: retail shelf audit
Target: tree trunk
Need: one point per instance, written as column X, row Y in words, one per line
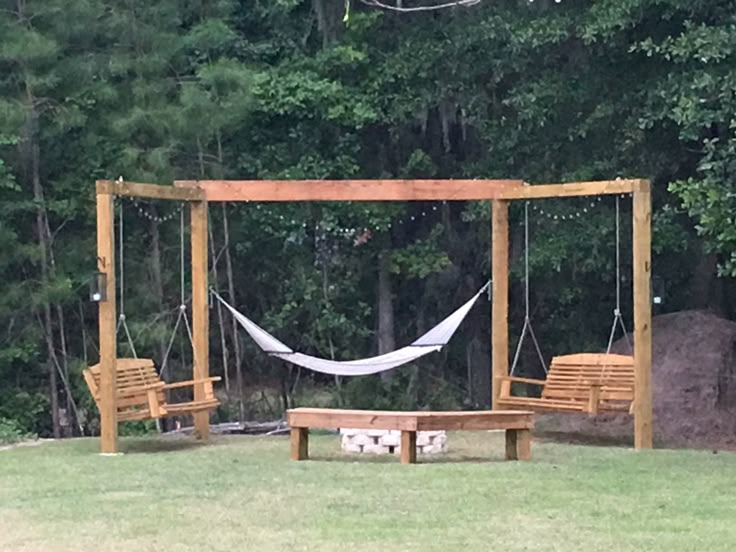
column 705, row 286
column 43, row 243
column 386, row 335
column 231, row 296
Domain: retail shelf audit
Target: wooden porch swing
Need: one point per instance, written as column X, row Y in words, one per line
column 141, row 390
column 584, row 382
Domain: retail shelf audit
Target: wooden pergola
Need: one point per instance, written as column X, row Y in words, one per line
column 500, row 192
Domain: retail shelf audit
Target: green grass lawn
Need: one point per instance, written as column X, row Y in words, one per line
column 243, row 493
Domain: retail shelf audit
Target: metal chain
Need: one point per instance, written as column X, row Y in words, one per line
column 527, row 327
column 526, row 259
column 181, row 258
column 617, row 317
column 182, row 302
column 122, row 320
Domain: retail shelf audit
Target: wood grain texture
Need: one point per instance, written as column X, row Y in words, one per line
column 301, row 419
column 327, row 418
column 643, row 430
column 518, row 444
column 595, row 384
column 200, row 312
column 571, row 189
column 106, row 326
column 348, row 190
column 140, row 391
column 149, row 191
column 500, row 297
column 299, row 443
column 408, row 447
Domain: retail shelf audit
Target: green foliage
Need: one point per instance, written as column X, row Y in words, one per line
column 136, row 429
column 422, row 258
column 539, row 91
column 25, row 410
column 11, row 432
column 403, row 391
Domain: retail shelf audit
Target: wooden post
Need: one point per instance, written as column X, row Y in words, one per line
column 594, row 399
column 106, row 325
column 299, row 443
column 500, row 305
column 408, row 447
column 642, row 316
column 518, row 444
column 200, row 311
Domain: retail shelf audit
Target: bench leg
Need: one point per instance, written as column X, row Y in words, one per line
column 299, row 443
column 518, row 444
column 408, row 447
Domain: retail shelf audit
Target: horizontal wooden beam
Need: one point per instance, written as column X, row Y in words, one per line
column 574, row 189
column 349, row 190
column 149, row 191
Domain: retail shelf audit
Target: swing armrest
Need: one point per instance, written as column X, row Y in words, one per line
column 516, row 379
column 190, row 383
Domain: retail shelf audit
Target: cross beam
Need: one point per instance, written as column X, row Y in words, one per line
column 349, row 190
column 147, row 191
column 573, row 189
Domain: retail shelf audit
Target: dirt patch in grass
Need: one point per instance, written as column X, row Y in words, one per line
column 694, row 387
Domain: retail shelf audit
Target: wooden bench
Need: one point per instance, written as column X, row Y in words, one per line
column 585, row 382
column 518, row 426
column 141, row 393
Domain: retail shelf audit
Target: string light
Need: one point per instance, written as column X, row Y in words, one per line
column 350, row 232
column 143, row 212
column 570, row 215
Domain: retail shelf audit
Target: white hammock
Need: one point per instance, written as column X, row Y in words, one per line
column 432, row 341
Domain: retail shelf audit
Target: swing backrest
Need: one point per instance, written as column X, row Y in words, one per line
column 135, row 378
column 571, row 376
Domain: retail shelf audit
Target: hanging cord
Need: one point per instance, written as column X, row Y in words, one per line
column 527, row 318
column 617, row 317
column 182, row 303
column 122, row 321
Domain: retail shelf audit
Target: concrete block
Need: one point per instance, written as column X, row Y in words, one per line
column 391, row 440
column 422, row 439
column 375, row 449
column 362, row 440
column 374, row 441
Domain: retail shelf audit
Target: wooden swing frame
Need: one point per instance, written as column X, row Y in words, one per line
column 501, row 192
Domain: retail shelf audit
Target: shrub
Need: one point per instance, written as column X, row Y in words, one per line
column 11, row 432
